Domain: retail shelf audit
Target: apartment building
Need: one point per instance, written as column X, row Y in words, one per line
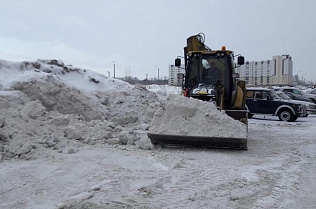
column 283, row 70
column 174, row 80
column 278, row 71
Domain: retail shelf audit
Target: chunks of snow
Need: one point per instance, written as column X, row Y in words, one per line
column 48, row 106
column 33, row 110
column 58, row 63
column 144, row 143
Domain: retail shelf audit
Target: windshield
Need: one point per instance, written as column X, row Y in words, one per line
column 208, row 68
column 282, row 95
column 274, row 95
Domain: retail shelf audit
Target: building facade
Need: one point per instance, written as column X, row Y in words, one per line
column 174, row 79
column 278, row 71
column 283, row 70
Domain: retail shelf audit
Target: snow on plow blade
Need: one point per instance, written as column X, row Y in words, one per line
column 187, row 121
column 199, row 141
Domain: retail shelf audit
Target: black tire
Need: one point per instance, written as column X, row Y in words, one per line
column 287, row 115
column 294, row 118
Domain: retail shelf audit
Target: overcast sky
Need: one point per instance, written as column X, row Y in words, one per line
column 141, row 36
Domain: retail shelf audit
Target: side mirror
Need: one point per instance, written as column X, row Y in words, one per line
column 177, row 62
column 236, row 75
column 240, row 60
column 180, row 75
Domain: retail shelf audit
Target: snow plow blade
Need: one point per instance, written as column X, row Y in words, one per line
column 199, row 141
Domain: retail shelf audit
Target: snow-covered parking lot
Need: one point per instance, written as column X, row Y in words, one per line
column 277, row 171
column 65, row 147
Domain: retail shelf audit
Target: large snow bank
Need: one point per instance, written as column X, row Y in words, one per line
column 50, row 106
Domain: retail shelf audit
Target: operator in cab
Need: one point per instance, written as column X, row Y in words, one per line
column 212, row 73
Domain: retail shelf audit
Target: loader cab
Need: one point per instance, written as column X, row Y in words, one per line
column 207, row 72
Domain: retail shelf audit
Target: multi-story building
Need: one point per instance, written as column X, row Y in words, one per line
column 284, row 70
column 278, row 71
column 174, row 79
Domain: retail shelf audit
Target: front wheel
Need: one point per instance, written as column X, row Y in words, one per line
column 294, row 118
column 287, row 115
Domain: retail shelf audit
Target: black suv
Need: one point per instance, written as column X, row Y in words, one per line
column 266, row 101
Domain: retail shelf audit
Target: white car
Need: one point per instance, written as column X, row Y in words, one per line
column 310, row 91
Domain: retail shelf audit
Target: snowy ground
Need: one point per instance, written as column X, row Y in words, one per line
column 81, row 154
column 277, row 171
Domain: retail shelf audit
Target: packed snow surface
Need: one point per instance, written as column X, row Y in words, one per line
column 73, row 139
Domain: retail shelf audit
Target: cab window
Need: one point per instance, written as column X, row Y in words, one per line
column 249, row 94
column 258, row 95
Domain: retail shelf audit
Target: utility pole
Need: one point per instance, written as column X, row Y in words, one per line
column 114, row 69
column 158, row 73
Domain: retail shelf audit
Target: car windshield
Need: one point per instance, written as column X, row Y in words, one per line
column 282, row 95
column 274, row 95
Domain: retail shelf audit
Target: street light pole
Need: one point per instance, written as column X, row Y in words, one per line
column 114, row 69
column 158, row 73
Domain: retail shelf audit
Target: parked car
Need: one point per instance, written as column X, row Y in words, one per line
column 266, row 101
column 310, row 107
column 310, row 97
column 296, row 96
column 310, row 91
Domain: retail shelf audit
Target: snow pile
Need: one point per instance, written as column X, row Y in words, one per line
column 164, row 90
column 46, row 105
column 41, row 70
column 191, row 117
column 40, row 109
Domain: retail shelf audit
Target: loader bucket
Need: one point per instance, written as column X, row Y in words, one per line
column 191, row 122
column 198, row 141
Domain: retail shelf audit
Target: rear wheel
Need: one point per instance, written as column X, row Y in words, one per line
column 287, row 115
